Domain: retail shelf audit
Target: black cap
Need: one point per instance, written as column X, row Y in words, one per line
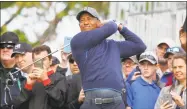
column 21, row 48
column 173, row 51
column 55, row 60
column 89, row 10
column 133, row 58
column 184, row 25
column 9, row 38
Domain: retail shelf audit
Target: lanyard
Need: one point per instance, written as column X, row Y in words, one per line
column 7, row 90
column 19, row 84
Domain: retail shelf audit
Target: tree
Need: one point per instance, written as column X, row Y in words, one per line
column 49, row 33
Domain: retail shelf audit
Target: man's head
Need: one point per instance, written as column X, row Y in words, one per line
column 148, row 64
column 41, row 51
column 162, row 45
column 128, row 64
column 170, row 52
column 73, row 65
column 7, row 42
column 23, row 55
column 88, row 19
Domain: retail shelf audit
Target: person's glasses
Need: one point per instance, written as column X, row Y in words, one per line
column 148, row 57
column 9, row 46
column 71, row 61
column 173, row 49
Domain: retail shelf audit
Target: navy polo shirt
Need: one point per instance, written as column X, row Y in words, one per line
column 144, row 95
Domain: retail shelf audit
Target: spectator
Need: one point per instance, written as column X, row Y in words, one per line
column 44, row 89
column 22, row 53
column 128, row 64
column 167, row 77
column 99, row 59
column 144, row 84
column 177, row 91
column 7, row 68
column 75, row 92
column 162, row 46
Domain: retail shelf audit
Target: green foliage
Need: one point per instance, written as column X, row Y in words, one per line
column 147, row 6
column 6, row 4
column 28, row 4
column 3, row 30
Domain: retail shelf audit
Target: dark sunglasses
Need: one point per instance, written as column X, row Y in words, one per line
column 71, row 61
column 148, row 57
column 9, row 46
column 173, row 50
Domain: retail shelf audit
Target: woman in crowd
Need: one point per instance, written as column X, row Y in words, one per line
column 174, row 96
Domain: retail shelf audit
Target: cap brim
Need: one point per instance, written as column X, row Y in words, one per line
column 16, row 52
column 146, row 59
column 82, row 12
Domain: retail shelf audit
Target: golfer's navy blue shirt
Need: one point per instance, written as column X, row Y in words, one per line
column 99, row 59
column 144, row 95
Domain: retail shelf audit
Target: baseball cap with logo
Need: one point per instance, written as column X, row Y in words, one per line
column 9, row 38
column 148, row 56
column 173, row 50
column 21, row 48
column 89, row 10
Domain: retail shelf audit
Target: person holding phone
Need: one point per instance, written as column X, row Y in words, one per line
column 99, row 59
column 174, row 96
column 44, row 88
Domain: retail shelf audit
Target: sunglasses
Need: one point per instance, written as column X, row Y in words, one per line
column 8, row 46
column 71, row 61
column 173, row 50
column 148, row 57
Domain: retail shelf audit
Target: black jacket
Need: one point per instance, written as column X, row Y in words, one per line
column 74, row 88
column 51, row 96
column 13, row 86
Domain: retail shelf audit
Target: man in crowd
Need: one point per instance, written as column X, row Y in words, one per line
column 22, row 53
column 162, row 46
column 144, row 84
column 99, row 59
column 75, row 92
column 128, row 64
column 10, row 82
column 44, row 88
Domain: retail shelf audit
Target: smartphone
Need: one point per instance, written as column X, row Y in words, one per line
column 39, row 64
column 167, row 97
column 67, row 41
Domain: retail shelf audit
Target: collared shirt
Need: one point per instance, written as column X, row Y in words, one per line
column 144, row 95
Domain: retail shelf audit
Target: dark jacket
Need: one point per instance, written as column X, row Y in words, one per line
column 74, row 88
column 49, row 94
column 14, row 87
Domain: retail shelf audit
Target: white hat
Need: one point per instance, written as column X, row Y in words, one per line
column 167, row 41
